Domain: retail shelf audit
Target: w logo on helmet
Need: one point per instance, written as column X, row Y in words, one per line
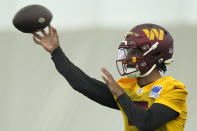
column 154, row 33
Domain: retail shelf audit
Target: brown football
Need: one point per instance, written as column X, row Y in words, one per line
column 32, row 18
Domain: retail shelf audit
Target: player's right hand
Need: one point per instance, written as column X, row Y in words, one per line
column 49, row 41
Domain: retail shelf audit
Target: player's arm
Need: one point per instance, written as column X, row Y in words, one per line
column 151, row 119
column 90, row 87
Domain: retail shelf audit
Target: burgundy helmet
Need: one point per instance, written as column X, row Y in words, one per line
column 143, row 47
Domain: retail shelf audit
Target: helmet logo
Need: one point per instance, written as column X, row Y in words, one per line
column 130, row 33
column 154, row 33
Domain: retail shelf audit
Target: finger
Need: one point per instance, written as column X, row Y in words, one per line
column 37, row 36
column 50, row 29
column 54, row 30
column 109, row 76
column 44, row 32
column 36, row 40
column 105, row 79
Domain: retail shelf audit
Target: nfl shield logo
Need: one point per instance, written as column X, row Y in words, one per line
column 139, row 91
column 155, row 91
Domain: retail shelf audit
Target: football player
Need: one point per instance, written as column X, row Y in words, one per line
column 147, row 100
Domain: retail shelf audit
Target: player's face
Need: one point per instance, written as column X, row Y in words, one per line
column 126, row 61
column 128, row 56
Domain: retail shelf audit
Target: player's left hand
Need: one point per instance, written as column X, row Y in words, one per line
column 112, row 84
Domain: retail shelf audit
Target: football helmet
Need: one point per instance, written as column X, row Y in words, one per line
column 143, row 47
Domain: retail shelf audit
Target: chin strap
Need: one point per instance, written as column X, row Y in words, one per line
column 149, row 71
column 134, row 75
column 137, row 73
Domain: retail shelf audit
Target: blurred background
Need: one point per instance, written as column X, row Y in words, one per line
column 35, row 97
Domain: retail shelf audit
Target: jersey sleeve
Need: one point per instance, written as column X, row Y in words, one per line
column 173, row 97
column 92, row 88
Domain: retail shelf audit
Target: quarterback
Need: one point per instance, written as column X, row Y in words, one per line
column 148, row 101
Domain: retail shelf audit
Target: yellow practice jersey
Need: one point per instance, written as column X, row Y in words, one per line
column 166, row 91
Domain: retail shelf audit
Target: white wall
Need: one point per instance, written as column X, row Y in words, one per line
column 118, row 13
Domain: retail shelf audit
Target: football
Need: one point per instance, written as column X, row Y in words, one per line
column 32, row 18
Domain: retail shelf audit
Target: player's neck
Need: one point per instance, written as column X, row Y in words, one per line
column 153, row 76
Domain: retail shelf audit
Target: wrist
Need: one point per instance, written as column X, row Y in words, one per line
column 120, row 93
column 54, row 49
